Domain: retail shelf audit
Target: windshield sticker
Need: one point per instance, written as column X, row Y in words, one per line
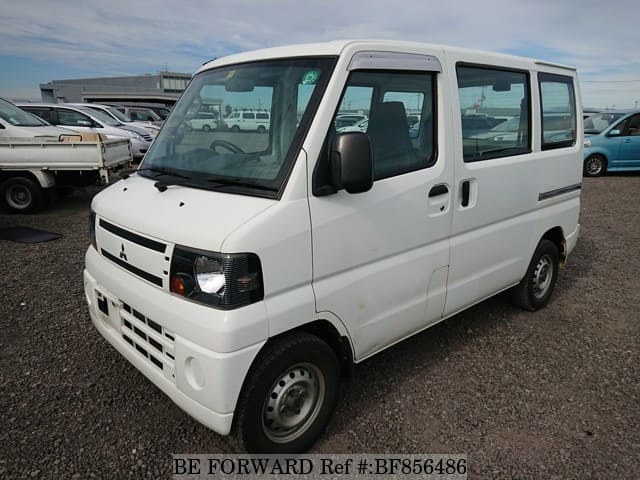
column 310, row 77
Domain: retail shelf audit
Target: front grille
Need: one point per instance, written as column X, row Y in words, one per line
column 149, row 339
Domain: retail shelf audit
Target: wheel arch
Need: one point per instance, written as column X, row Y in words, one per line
column 44, row 179
column 556, row 235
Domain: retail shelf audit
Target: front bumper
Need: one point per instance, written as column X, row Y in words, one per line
column 139, row 148
column 139, row 320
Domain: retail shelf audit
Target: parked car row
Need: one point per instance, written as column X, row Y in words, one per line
column 91, row 118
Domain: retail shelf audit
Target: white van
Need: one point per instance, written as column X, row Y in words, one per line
column 257, row 120
column 256, row 269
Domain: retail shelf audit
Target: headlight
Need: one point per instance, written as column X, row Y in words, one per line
column 587, row 142
column 92, row 229
column 224, row 281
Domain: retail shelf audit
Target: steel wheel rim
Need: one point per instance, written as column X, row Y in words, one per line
column 18, row 197
column 594, row 166
column 542, row 276
column 293, row 402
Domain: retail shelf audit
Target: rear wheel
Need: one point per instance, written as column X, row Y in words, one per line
column 595, row 165
column 535, row 289
column 21, row 195
column 261, row 129
column 288, row 396
column 206, row 128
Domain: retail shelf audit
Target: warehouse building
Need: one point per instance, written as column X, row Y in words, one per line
column 162, row 89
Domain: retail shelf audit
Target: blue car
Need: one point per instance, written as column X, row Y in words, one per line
column 611, row 143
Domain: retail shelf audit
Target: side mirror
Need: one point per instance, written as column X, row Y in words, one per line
column 614, row 133
column 352, row 162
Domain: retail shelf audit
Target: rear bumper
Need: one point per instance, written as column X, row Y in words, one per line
column 572, row 239
column 202, row 382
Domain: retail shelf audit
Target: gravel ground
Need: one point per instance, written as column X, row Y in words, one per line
column 551, row 394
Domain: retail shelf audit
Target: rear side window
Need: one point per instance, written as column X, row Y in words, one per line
column 248, row 116
column 262, row 116
column 558, row 106
column 495, row 111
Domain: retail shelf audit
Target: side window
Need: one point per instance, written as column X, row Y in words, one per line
column 44, row 113
column 76, row 119
column 248, row 116
column 262, row 116
column 557, row 101
column 396, row 111
column 632, row 127
column 495, row 110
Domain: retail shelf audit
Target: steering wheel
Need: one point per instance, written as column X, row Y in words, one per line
column 233, row 148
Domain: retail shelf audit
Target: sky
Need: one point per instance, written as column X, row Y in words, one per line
column 43, row 40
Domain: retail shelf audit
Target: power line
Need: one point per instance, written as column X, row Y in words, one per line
column 610, row 81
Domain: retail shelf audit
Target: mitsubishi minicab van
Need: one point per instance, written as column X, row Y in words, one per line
column 255, row 269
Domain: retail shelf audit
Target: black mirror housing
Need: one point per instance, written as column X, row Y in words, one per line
column 352, row 162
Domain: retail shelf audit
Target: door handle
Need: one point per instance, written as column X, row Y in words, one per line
column 465, row 193
column 438, row 190
column 628, row 140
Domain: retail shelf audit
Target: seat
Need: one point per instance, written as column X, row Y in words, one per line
column 390, row 141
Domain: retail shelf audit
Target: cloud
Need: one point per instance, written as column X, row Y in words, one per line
column 119, row 36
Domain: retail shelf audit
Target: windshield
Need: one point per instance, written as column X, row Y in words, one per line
column 119, row 115
column 598, row 122
column 18, row 117
column 252, row 132
column 101, row 116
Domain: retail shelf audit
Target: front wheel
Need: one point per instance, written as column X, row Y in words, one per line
column 534, row 291
column 288, row 396
column 595, row 165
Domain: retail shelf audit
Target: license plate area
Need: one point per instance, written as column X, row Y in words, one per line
column 108, row 308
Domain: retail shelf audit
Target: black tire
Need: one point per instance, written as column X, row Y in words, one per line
column 21, row 195
column 535, row 289
column 261, row 129
column 295, row 380
column 206, row 128
column 595, row 165
column 235, row 128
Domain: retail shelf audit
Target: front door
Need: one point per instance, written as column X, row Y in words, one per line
column 630, row 144
column 380, row 258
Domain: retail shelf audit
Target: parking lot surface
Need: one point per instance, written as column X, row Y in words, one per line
column 551, row 394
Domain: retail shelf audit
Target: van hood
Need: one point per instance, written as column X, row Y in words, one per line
column 180, row 215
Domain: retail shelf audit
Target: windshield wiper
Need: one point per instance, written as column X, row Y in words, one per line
column 236, row 182
column 126, row 173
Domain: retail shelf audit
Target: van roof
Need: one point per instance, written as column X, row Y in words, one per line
column 336, row 47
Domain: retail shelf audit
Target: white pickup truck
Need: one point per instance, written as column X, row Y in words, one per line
column 34, row 170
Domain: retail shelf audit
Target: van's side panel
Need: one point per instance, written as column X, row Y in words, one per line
column 493, row 238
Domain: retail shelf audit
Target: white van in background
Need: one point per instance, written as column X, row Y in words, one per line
column 257, row 268
column 252, row 120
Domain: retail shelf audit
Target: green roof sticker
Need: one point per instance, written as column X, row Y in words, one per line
column 310, row 77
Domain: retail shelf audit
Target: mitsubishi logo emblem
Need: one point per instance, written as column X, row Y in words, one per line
column 123, row 256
